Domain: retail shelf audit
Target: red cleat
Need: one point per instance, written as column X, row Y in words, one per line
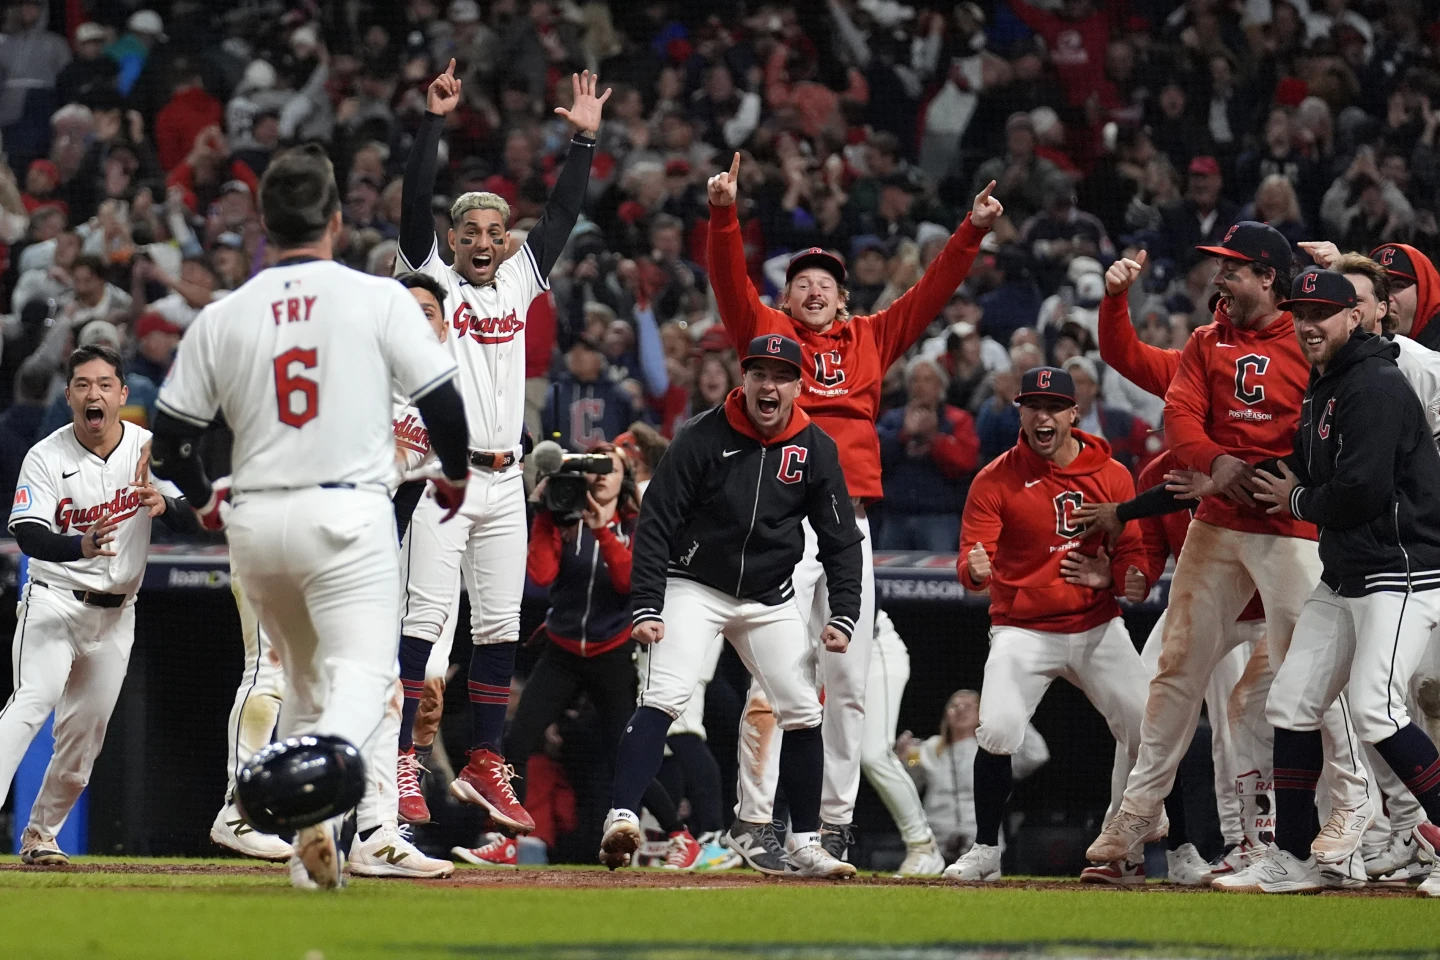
column 485, row 782
column 1428, row 836
column 413, row 808
column 1120, row 873
column 684, row 851
column 498, row 851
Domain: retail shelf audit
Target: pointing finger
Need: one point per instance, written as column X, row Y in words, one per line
column 735, row 167
column 985, row 194
column 450, row 70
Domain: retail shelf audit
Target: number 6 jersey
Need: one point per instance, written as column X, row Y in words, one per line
column 302, row 359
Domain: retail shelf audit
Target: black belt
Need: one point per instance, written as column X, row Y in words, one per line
column 493, row 459
column 93, row 598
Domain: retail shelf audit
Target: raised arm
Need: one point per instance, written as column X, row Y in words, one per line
column 552, row 232
column 735, row 295
column 1149, row 368
column 1187, row 408
column 417, row 224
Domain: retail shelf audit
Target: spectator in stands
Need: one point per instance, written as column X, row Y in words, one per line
column 964, row 365
column 155, row 341
column 868, row 268
column 20, row 425
column 1175, row 131
column 1128, row 436
column 31, row 59
column 1015, row 303
column 1364, row 209
column 1277, row 204
column 51, row 279
column 143, row 32
column 91, row 70
column 91, row 296
column 190, row 292
column 190, row 111
column 1201, row 218
column 928, row 452
column 1280, row 155
column 1060, row 233
column 714, row 380
column 584, row 407
column 998, row 422
column 1020, row 176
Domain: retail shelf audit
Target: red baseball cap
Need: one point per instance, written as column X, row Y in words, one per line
column 1208, row 166
column 816, row 257
column 153, row 322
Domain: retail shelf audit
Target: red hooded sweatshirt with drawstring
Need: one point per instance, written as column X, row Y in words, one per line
column 1403, row 260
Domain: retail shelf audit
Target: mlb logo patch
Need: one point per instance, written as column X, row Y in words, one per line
column 22, row 499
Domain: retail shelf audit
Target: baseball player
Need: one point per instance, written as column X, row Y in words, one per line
column 1047, row 619
column 302, row 359
column 845, row 359
column 1235, row 399
column 716, row 550
column 82, row 513
column 1366, row 471
column 491, row 299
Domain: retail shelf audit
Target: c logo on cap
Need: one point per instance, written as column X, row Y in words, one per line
column 1042, row 379
column 1386, row 257
column 1307, row 282
column 1230, row 233
column 772, row 345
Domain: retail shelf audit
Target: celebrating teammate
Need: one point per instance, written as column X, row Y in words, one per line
column 302, row 359
column 845, row 358
column 716, row 552
column 491, row 297
column 82, row 513
column 1050, row 618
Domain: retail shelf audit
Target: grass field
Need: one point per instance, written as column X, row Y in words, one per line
column 108, row 908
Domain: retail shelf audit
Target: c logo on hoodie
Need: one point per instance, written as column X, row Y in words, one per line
column 1248, row 369
column 792, row 458
column 1326, row 415
column 1065, row 506
column 827, row 369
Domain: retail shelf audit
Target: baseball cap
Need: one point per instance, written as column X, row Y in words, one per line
column 46, row 167
column 773, row 346
column 464, row 11
column 89, row 31
column 1046, row 382
column 1253, row 241
column 1208, row 166
column 1396, row 261
column 153, row 322
column 147, row 21
column 98, row 331
column 235, row 186
column 229, row 239
column 1313, row 285
column 816, row 257
column 865, row 243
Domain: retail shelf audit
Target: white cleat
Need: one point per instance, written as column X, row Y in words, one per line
column 388, row 854
column 620, row 839
column 1184, row 866
column 1229, row 863
column 1349, row 875
column 980, row 862
column 1125, row 835
column 321, row 860
column 810, row 859
column 922, row 860
column 1273, row 870
column 1431, row 886
column 1341, row 835
column 1394, row 862
column 231, row 831
column 40, row 850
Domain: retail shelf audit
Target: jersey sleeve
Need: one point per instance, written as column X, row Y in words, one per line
column 1187, row 406
column 981, row 524
column 1149, row 368
column 901, row 324
column 36, row 493
column 735, row 295
column 418, row 364
column 189, row 392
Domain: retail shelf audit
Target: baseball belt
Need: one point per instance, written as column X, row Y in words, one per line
column 493, row 459
column 93, row 598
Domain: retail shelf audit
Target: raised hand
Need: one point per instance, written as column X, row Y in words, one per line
column 152, row 499
column 979, row 562
column 1083, row 571
column 444, row 93
column 584, row 113
column 1323, row 252
column 1123, row 273
column 986, row 209
column 723, row 186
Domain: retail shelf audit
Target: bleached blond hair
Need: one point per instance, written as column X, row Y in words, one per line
column 478, row 200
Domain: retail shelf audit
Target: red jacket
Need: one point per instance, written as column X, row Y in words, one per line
column 1077, row 48
column 539, row 335
column 845, row 364
column 1149, row 368
column 180, row 122
column 1020, row 508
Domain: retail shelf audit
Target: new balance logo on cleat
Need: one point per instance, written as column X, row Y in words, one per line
column 391, row 855
column 240, row 827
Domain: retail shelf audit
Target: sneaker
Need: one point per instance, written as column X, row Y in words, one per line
column 837, row 839
column 498, row 850
column 1126, row 833
column 980, row 862
column 684, row 851
column 620, row 840
column 1431, row 886
column 1396, row 858
column 1184, row 866
column 388, row 854
column 413, row 808
column 485, row 782
column 1121, row 873
column 318, row 852
column 39, row 850
column 1341, row 835
column 714, row 855
column 922, row 860
column 231, row 831
column 1428, row 836
column 1234, row 859
column 1273, row 870
column 809, row 858
column 757, row 846
column 1349, row 875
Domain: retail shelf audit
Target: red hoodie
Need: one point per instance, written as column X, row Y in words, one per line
column 1020, row 507
column 181, row 121
column 1427, row 288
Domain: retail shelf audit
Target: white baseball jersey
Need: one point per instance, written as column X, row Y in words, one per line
column 301, row 359
column 487, row 339
column 67, row 489
column 412, row 439
column 1421, row 367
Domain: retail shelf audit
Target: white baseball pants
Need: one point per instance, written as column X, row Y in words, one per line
column 842, row 677
column 1216, row 575
column 1101, row 662
column 71, row 658
column 320, row 567
column 770, row 640
column 258, row 698
column 488, row 538
column 889, row 672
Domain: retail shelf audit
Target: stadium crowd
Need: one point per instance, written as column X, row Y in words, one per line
column 134, row 140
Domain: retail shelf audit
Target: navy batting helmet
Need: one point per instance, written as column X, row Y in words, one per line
column 299, row 782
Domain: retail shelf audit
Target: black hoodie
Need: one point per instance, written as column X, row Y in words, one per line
column 1369, row 473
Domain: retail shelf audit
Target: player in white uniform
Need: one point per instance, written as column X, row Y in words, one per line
column 82, row 512
column 302, row 358
column 490, row 297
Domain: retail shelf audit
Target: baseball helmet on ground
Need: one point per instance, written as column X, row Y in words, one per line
column 299, row 782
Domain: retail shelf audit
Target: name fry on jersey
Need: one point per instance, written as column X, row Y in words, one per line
column 290, row 307
column 122, row 506
column 411, row 434
column 486, row 329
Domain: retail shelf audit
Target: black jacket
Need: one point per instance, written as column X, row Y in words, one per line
column 1369, row 473
column 725, row 509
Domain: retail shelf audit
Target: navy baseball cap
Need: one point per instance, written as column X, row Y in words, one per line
column 1254, row 241
column 1396, row 261
column 772, row 346
column 816, row 257
column 1046, row 382
column 1313, row 285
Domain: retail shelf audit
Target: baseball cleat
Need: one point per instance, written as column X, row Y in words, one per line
column 1125, row 834
column 39, row 850
column 809, row 858
column 1273, row 870
column 498, row 850
column 1428, row 836
column 1341, row 835
column 1396, row 858
column 922, row 860
column 1349, row 875
column 389, row 854
column 318, row 850
column 1235, row 858
column 837, row 839
column 1121, row 873
column 413, row 808
column 1184, row 866
column 231, row 831
column 714, row 855
column 1431, row 886
column 485, row 782
column 683, row 853
column 620, row 840
column 980, row 862
column 757, row 846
